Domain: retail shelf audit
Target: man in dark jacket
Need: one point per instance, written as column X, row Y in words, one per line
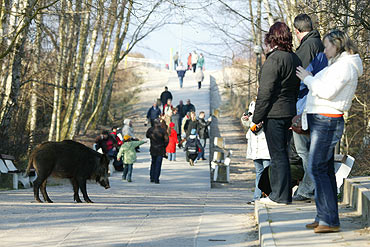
column 153, row 113
column 310, row 51
column 158, row 143
column 165, row 95
column 189, row 107
column 192, row 147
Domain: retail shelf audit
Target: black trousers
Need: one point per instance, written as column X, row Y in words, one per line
column 194, row 67
column 277, row 137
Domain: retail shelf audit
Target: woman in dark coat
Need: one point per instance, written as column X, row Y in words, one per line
column 276, row 106
column 158, row 142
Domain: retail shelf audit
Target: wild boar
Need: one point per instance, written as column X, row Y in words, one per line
column 67, row 159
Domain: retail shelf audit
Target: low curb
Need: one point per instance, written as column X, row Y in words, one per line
column 265, row 233
column 356, row 193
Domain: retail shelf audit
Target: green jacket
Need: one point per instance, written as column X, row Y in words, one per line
column 128, row 152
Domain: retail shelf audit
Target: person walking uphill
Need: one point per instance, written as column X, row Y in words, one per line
column 330, row 94
column 158, row 143
column 276, row 106
column 310, row 52
column 203, row 132
column 128, row 152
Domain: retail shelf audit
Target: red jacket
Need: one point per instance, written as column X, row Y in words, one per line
column 119, row 142
column 171, row 147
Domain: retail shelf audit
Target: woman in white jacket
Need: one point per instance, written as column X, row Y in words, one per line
column 257, row 149
column 330, row 94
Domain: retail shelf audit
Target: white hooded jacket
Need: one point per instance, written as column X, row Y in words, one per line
column 257, row 144
column 332, row 89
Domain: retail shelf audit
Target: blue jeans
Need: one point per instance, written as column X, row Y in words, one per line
column 155, row 168
column 325, row 133
column 260, row 165
column 203, row 142
column 302, row 145
column 181, row 79
column 127, row 171
column 171, row 156
column 277, row 133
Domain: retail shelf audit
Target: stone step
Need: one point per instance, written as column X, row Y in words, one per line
column 356, row 193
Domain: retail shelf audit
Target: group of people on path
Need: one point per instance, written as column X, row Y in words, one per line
column 171, row 127
column 318, row 83
column 120, row 147
column 194, row 61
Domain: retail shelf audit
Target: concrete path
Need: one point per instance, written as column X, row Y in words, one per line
column 182, row 210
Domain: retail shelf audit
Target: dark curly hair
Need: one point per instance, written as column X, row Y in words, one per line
column 279, row 36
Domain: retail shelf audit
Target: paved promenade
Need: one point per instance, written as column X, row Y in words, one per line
column 182, row 210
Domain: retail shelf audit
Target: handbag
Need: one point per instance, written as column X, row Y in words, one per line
column 297, row 125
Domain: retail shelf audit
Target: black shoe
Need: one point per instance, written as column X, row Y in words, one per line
column 129, row 180
column 300, row 198
column 152, row 180
column 204, row 159
column 156, row 182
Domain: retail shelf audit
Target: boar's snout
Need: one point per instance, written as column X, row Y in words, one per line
column 104, row 182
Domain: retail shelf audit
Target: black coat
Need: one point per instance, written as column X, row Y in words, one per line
column 189, row 125
column 310, row 46
column 279, row 86
column 165, row 95
column 189, row 108
column 153, row 113
column 158, row 140
column 203, row 128
column 181, row 110
column 193, row 144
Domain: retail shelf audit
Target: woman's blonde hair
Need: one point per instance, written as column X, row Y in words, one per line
column 341, row 41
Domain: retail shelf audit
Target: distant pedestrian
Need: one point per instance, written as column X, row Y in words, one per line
column 194, row 60
column 153, row 113
column 167, row 109
column 181, row 70
column 128, row 152
column 128, row 129
column 158, row 143
column 200, row 63
column 192, row 147
column 176, row 60
column 199, row 77
column 203, row 132
column 181, row 109
column 176, row 120
column 171, row 147
column 165, row 95
column 189, row 62
column 189, row 107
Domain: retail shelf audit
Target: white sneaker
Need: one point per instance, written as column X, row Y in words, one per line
column 268, row 201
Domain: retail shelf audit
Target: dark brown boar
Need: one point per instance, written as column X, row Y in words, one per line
column 68, row 159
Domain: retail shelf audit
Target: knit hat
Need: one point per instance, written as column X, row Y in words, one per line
column 126, row 137
column 172, row 125
column 193, row 132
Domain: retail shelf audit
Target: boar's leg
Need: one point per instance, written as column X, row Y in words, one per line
column 36, row 187
column 82, row 184
column 74, row 183
column 44, row 193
